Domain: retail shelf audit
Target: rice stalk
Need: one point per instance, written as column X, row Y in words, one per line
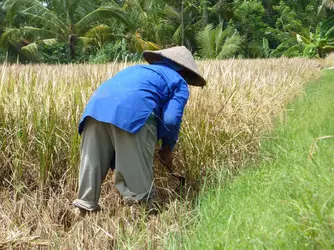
column 41, row 105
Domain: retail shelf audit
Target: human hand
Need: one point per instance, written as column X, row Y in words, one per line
column 166, row 156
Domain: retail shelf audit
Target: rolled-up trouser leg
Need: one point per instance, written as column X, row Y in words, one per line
column 134, row 161
column 96, row 154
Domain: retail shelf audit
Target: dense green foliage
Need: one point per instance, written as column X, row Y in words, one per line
column 61, row 31
column 286, row 201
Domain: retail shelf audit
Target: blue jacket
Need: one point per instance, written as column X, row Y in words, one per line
column 129, row 98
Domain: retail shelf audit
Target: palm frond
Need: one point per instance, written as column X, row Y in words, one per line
column 231, row 46
column 37, row 7
column 329, row 33
column 77, row 7
column 218, row 36
column 99, row 15
column 98, row 29
column 30, row 51
column 10, row 37
column 217, row 6
column 152, row 46
column 140, row 44
column 50, row 42
column 49, row 24
column 87, row 40
column 99, row 35
column 229, row 31
column 8, row 4
column 221, row 35
column 172, row 14
column 38, row 33
column 177, row 35
column 205, row 39
column 11, row 7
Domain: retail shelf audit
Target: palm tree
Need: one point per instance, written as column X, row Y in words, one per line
column 205, row 6
column 218, row 43
column 143, row 23
column 224, row 10
column 67, row 21
column 181, row 23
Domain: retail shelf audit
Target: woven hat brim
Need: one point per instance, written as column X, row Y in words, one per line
column 197, row 79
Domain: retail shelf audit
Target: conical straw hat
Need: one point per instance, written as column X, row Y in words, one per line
column 180, row 55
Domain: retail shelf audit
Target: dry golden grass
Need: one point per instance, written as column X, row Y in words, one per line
column 328, row 62
column 40, row 107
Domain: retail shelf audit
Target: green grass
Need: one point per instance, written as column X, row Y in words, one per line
column 287, row 200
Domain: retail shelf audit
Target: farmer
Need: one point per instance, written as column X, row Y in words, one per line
column 124, row 119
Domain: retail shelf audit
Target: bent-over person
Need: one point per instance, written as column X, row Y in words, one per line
column 124, row 119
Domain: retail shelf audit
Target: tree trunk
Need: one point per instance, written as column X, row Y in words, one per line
column 205, row 13
column 182, row 23
column 72, row 41
column 219, row 11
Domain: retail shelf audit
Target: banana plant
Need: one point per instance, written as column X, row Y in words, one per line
column 315, row 44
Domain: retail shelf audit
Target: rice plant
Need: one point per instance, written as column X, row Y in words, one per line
column 40, row 107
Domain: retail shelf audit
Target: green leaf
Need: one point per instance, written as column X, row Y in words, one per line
column 329, row 47
column 329, row 33
column 293, row 51
column 30, row 51
column 309, row 50
column 86, row 40
column 98, row 35
column 218, row 36
column 38, row 32
column 265, row 44
column 279, row 51
column 302, row 39
column 229, row 31
column 99, row 15
column 206, row 43
column 230, row 47
column 50, row 42
column 177, row 35
column 10, row 36
column 50, row 24
column 171, row 13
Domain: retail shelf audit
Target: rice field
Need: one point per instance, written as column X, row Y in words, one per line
column 40, row 107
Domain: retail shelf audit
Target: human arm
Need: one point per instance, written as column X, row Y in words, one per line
column 172, row 113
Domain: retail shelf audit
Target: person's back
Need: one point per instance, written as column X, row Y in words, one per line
column 128, row 98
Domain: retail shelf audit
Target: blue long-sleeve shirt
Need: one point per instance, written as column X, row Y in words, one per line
column 129, row 98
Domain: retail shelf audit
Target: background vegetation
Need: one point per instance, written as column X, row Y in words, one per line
column 64, row 31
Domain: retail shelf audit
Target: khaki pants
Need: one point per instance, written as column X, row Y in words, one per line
column 133, row 161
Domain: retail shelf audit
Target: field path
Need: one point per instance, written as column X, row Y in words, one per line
column 286, row 201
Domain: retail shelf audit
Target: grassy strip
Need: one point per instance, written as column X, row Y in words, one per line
column 287, row 201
